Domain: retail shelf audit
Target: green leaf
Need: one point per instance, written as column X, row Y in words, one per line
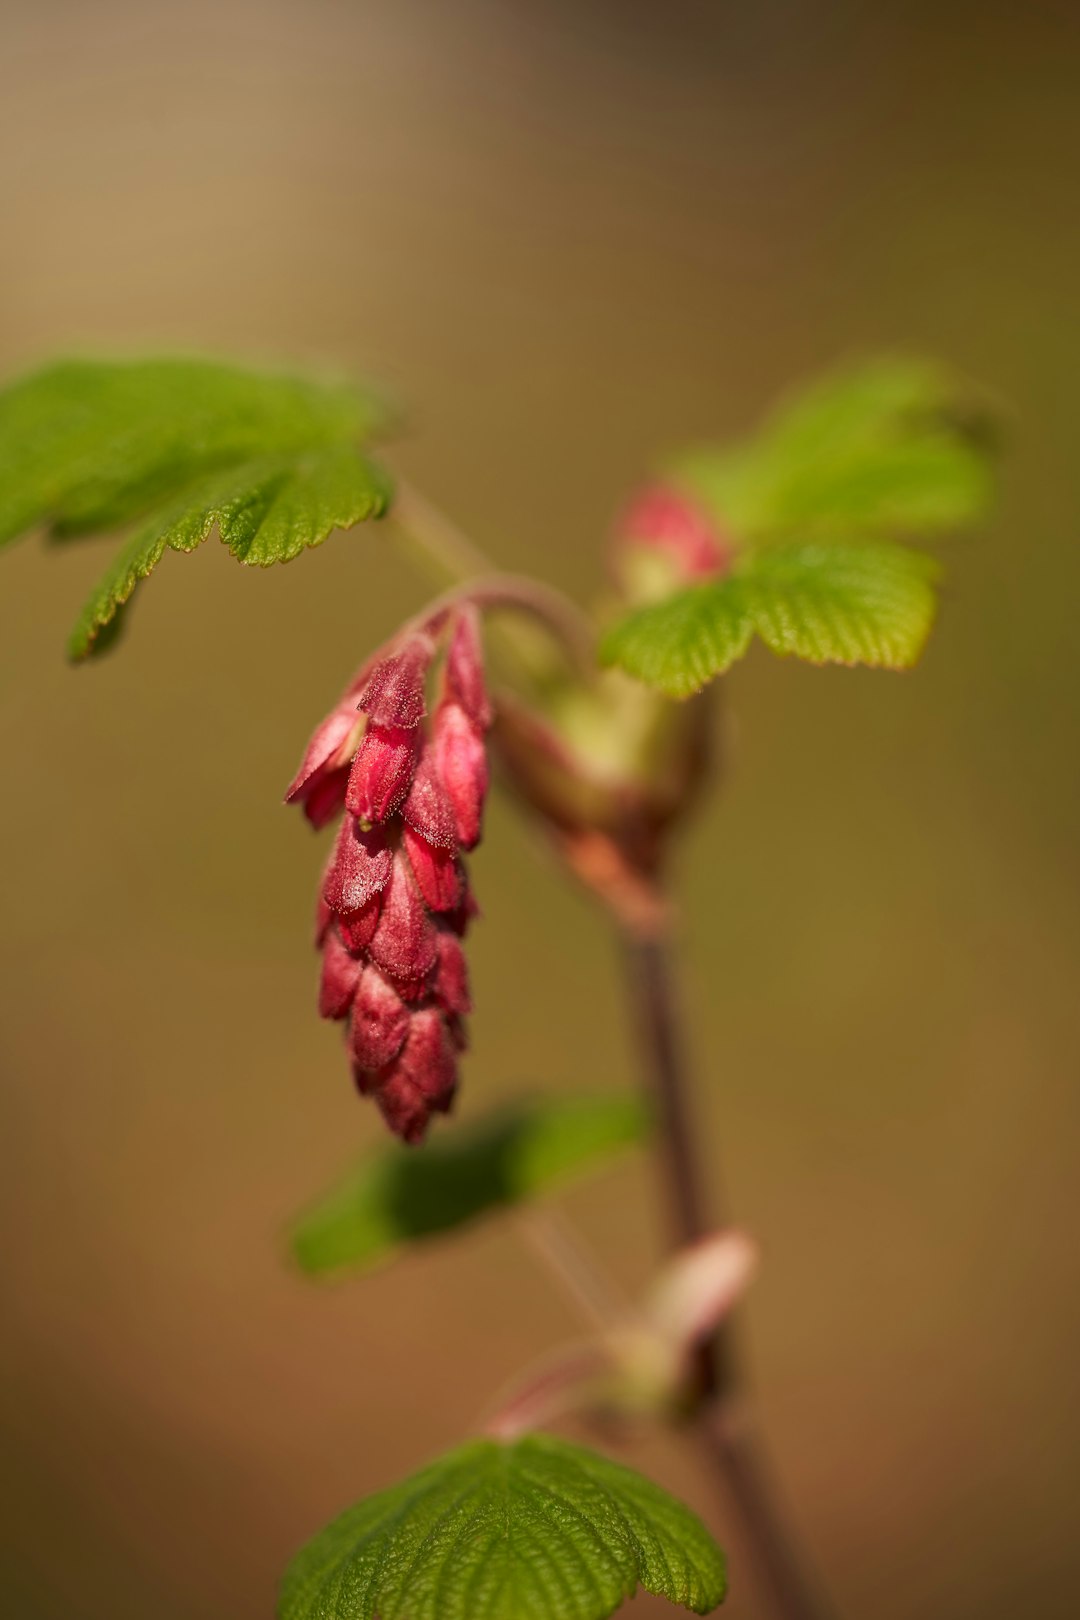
column 834, row 604
column 680, row 643
column 403, row 1194
column 871, row 604
column 892, row 448
column 275, row 462
column 535, row 1530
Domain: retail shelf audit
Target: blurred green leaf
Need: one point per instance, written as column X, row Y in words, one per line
column 684, row 640
column 842, row 604
column 538, row 1529
column 276, row 462
column 846, row 604
column 894, row 447
column 402, row 1194
column 810, row 512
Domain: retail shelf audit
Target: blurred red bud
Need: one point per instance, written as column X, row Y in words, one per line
column 465, row 682
column 672, row 526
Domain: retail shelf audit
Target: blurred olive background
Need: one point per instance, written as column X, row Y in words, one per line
column 570, row 235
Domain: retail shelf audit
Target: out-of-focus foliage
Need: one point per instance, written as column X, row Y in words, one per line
column 811, row 510
column 175, row 447
column 403, row 1194
column 492, row 1531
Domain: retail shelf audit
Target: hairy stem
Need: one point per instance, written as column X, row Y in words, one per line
column 722, row 1423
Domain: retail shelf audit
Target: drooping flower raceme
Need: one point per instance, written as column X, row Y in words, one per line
column 395, row 900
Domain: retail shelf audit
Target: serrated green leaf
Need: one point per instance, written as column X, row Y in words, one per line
column 889, row 448
column 871, row 604
column 836, row 604
column 276, row 462
column 534, row 1530
column 684, row 641
column 266, row 511
column 400, row 1195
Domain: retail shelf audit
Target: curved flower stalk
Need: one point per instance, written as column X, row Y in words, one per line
column 395, row 900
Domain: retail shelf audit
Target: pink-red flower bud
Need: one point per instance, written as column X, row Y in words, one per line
column 359, row 868
column 324, row 796
column 671, row 526
column 403, row 1106
column 464, row 912
column 428, row 809
column 319, row 784
column 340, row 977
column 381, row 772
column 380, row 1021
column 462, row 765
column 428, row 1057
column 450, row 983
column 437, row 871
column 403, row 943
column 394, row 693
column 357, row 927
column 465, row 683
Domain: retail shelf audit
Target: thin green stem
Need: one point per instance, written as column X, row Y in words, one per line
column 440, row 547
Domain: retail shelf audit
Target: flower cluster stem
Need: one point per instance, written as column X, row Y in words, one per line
column 722, row 1421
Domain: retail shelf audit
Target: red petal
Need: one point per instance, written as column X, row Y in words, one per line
column 357, row 927
column 404, row 941
column 340, row 975
column 462, row 765
column 459, row 1035
column 437, row 871
column 380, row 1021
column 428, row 808
column 381, row 771
column 331, row 746
column 394, row 692
column 324, row 795
column 404, row 1109
column 462, row 914
column 465, row 669
column 428, row 1056
column 451, row 983
column 359, row 868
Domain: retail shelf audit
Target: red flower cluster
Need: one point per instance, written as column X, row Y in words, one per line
column 395, row 900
